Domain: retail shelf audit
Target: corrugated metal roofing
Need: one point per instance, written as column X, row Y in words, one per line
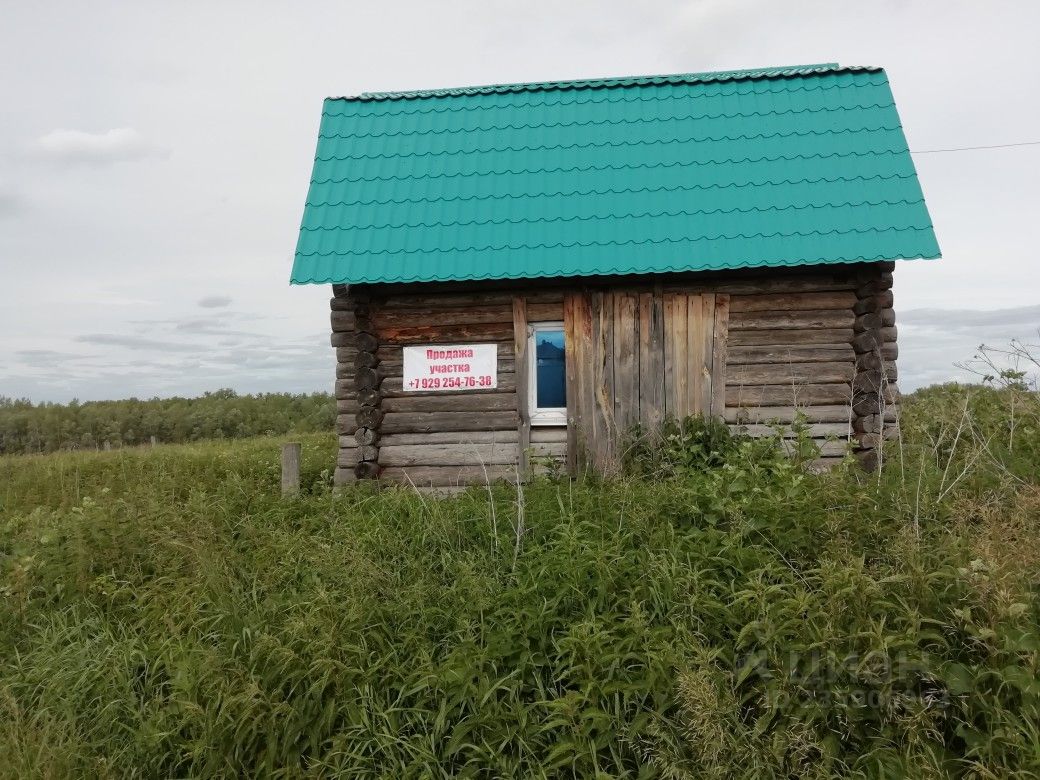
column 777, row 167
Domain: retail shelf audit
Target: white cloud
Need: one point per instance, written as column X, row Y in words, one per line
column 120, row 144
column 214, row 301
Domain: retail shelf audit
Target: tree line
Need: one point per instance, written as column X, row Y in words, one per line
column 26, row 427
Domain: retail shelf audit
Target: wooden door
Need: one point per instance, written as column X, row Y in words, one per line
column 634, row 358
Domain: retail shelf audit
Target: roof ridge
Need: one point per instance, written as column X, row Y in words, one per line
column 782, row 71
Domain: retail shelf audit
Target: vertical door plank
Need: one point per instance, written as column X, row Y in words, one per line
column 577, row 321
column 694, row 352
column 646, row 369
column 668, row 309
column 720, row 342
column 523, row 399
column 626, row 362
column 654, row 377
column 645, row 309
column 605, row 428
column 707, row 343
column 680, row 358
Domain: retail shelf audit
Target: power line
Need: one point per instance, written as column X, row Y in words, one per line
column 973, row 148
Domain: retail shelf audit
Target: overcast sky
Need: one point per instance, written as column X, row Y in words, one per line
column 154, row 161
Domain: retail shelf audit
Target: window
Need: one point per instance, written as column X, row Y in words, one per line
column 547, row 389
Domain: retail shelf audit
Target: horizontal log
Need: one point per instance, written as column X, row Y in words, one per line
column 888, row 318
column 768, row 284
column 359, row 340
column 788, row 414
column 871, row 440
column 812, row 430
column 869, row 460
column 871, row 380
column 369, row 417
column 883, row 358
column 343, row 476
column 796, row 395
column 555, row 449
column 367, row 470
column 347, row 457
column 545, row 312
column 809, row 301
column 345, row 390
column 446, row 334
column 872, row 339
column 545, row 434
column 467, row 299
column 867, row 321
column 348, row 303
column 501, row 454
column 791, row 320
column 781, row 373
column 384, row 319
column 822, row 353
column 363, row 436
column 425, row 422
column 873, row 423
column 347, row 406
column 883, row 300
column 451, row 402
column 890, row 393
column 874, row 286
column 747, row 338
column 366, row 360
column 801, row 279
column 367, row 378
column 873, row 403
column 346, row 424
column 436, row 476
column 343, row 321
column 507, row 436
column 391, row 387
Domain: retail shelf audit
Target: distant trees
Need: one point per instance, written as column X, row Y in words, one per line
column 30, row 428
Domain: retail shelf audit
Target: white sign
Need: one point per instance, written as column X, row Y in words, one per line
column 451, row 367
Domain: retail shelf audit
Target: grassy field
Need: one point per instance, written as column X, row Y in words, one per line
column 163, row 612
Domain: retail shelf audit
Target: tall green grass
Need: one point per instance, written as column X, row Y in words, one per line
column 164, row 613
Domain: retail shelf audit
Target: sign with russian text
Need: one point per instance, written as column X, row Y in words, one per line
column 451, row 367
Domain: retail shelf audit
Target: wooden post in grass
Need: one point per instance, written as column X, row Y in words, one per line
column 290, row 469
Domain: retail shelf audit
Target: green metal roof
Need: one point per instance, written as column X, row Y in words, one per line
column 773, row 167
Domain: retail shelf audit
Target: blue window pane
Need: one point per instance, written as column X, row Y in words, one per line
column 550, row 376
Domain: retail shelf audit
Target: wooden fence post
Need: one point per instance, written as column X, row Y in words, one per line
column 290, row 469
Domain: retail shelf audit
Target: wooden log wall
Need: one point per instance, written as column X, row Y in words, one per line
column 817, row 342
column 876, row 396
column 797, row 353
column 358, row 396
column 435, row 438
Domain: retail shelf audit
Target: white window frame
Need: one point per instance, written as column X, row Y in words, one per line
column 544, row 415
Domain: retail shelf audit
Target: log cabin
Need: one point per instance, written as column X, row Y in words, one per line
column 525, row 273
